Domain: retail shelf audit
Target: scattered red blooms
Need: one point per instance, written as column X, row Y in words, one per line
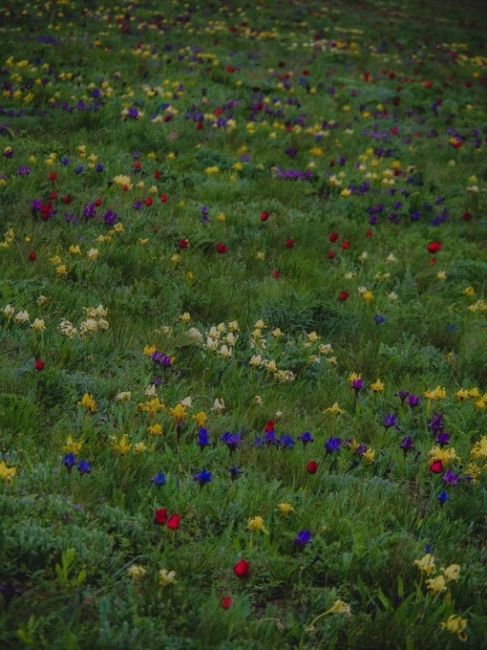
column 183, row 244
column 39, row 365
column 312, row 467
column 98, row 202
column 67, row 199
column 434, row 247
column 264, row 216
column 436, row 467
column 331, row 255
column 241, row 569
column 333, row 237
column 32, row 256
column 343, row 296
column 276, row 275
column 467, row 216
column 221, row 249
column 289, row 243
column 269, row 426
column 164, row 198
column 226, row 602
column 346, row 245
column 148, row 201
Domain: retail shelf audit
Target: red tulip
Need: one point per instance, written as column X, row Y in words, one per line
column 467, row 216
column 312, row 467
column 32, row 256
column 183, row 244
column 164, row 198
column 289, row 243
column 160, row 516
column 148, row 201
column 269, row 426
column 436, row 467
column 346, row 245
column 343, row 296
column 39, row 365
column 226, row 602
column 173, row 522
column 276, row 275
column 241, row 569
column 221, row 249
column 333, row 237
column 434, row 247
column 331, row 255
column 264, row 216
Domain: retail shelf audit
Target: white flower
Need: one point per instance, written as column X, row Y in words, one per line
column 21, row 317
column 218, row 405
column 187, row 402
column 9, row 311
column 124, row 396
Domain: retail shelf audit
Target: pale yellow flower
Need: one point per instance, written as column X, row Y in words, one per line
column 452, row 572
column 456, row 625
column 256, row 524
column 426, row 564
column 166, row 577
column 7, row 473
column 285, row 508
column 136, row 572
column 437, row 585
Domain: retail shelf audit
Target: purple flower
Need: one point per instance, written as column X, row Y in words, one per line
column 390, row 421
column 84, row 467
column 89, row 211
column 232, row 440
column 407, row 444
column 303, row 538
column 203, row 438
column 449, row 478
column 443, row 497
column 443, row 438
column 402, row 394
column 357, row 385
column 435, row 425
column 159, row 479
column 110, row 218
column 413, row 401
column 161, row 360
column 333, row 445
column 69, row 461
column 23, row 171
column 235, row 473
column 286, row 442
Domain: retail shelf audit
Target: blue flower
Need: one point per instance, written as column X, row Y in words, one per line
column 203, row 477
column 306, row 438
column 232, row 440
column 303, row 538
column 159, row 479
column 286, row 442
column 333, row 445
column 443, row 497
column 203, row 438
column 379, row 319
column 390, row 420
column 69, row 461
column 235, row 473
column 84, row 467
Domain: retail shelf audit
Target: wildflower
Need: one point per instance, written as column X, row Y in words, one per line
column 333, row 445
column 390, row 421
column 312, row 467
column 306, row 438
column 426, row 564
column 161, row 516
column 256, row 524
column 166, row 577
column 173, row 522
column 340, row 607
column 159, row 479
column 436, row 467
column 407, row 444
column 437, row 584
column 178, row 413
column 443, row 497
column 218, row 406
column 368, row 296
column 285, row 508
column 226, row 602
column 39, row 364
column 241, row 569
column 136, row 572
column 357, row 385
column 88, row 402
column 7, row 473
column 203, row 477
column 455, row 625
column 38, row 325
column 200, row 418
column 84, row 467
column 303, row 538
column 377, row 386
column 334, row 409
column 449, row 478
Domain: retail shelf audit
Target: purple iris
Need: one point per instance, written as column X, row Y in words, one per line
column 449, row 478
column 333, row 445
column 69, row 461
column 303, row 538
column 84, row 467
column 390, row 421
column 443, row 438
column 413, row 401
column 203, row 438
column 306, row 438
column 203, row 477
column 357, row 385
column 435, row 425
column 407, row 444
column 232, row 440
column 159, row 479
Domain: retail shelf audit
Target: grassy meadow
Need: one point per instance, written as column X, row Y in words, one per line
column 243, row 344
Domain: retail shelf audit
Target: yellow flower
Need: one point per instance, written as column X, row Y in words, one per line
column 340, row 607
column 426, row 564
column 335, row 409
column 88, row 402
column 62, row 270
column 139, row 448
column 185, row 318
column 469, row 291
column 441, row 275
column 166, row 577
column 122, row 445
column 452, row 572
column 368, row 296
column 7, row 473
column 377, row 386
column 461, row 394
column 123, row 181
column 435, row 394
column 75, row 250
column 178, row 412
column 136, row 572
column 436, row 585
column 256, row 524
column 369, row 456
column 211, row 171
column 455, row 625
column 38, row 325
column 123, row 396
column 149, row 350
column 445, row 455
column 155, row 429
column 285, row 508
column 72, row 447
column 473, row 393
column 479, row 450
column 200, row 418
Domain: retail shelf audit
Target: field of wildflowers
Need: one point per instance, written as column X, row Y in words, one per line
column 243, row 345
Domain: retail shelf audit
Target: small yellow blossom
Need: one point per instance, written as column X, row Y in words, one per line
column 166, row 577
column 479, row 450
column 285, row 508
column 123, row 396
column 436, row 585
column 38, row 325
column 256, row 524
column 452, row 572
column 441, row 275
column 136, row 572
column 334, row 409
column 185, row 318
column 155, row 429
column 377, row 386
column 446, row 456
column 178, row 412
column 368, row 296
column 88, row 402
column 340, row 607
column 72, row 447
column 7, row 473
column 122, row 445
column 435, row 394
column 426, row 564
column 149, row 350
column 455, row 625
column 469, row 291
column 369, row 456
column 200, row 418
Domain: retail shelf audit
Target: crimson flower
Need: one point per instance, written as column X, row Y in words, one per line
column 264, row 216
column 32, row 256
column 434, row 247
column 343, row 296
column 160, row 516
column 333, row 237
column 173, row 522
column 289, row 243
column 312, row 467
column 436, row 467
column 221, row 249
column 226, row 602
column 241, row 569
column 39, row 365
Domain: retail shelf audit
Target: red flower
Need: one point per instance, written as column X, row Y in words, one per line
column 333, row 237
column 148, row 201
column 98, row 202
column 346, row 245
column 269, row 427
column 226, row 602
column 137, row 166
column 164, row 198
column 199, row 126
column 264, row 216
column 32, row 256
column 434, row 247
column 312, row 467
column 218, row 111
column 53, row 177
column 183, row 243
column 289, row 243
column 160, row 516
column 343, row 296
column 369, row 234
column 331, row 255
column 276, row 275
column 52, row 196
column 221, row 249
column 436, row 467
column 241, row 569
column 467, row 216
column 39, row 365
column 173, row 522
column 67, row 199
column 157, row 174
